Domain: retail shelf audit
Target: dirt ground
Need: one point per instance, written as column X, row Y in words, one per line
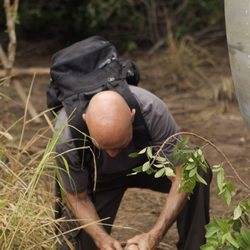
column 196, row 109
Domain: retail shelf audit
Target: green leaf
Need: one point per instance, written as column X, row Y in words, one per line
column 245, row 236
column 202, row 158
column 204, row 167
column 199, row 152
column 229, row 238
column 143, row 151
column 230, row 186
column 207, row 247
column 189, row 166
column 220, row 179
column 131, row 174
column 212, row 243
column 133, row 155
column 149, row 152
column 216, row 168
column 150, row 171
column 227, row 197
column 192, row 172
column 161, row 159
column 223, row 224
column 210, row 231
column 146, row 166
column 160, row 173
column 200, row 179
column 187, row 185
column 237, row 212
column 219, row 193
column 187, row 151
column 228, row 248
column 159, row 165
column 191, row 160
column 182, row 143
column 137, row 169
column 169, row 171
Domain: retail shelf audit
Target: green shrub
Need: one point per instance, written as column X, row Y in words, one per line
column 125, row 21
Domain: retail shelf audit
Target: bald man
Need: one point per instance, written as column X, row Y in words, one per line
column 109, row 120
column 110, row 123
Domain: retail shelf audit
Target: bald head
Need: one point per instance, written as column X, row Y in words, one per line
column 109, row 120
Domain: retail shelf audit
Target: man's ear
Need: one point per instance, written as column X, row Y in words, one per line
column 133, row 111
column 84, row 117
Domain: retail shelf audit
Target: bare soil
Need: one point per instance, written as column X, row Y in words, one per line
column 196, row 108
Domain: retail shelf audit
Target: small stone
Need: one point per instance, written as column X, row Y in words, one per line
column 242, row 139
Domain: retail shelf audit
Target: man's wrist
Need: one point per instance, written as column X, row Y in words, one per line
column 156, row 234
column 101, row 239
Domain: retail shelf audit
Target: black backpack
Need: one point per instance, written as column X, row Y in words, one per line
column 85, row 68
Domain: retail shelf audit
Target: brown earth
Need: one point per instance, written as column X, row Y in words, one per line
column 196, row 108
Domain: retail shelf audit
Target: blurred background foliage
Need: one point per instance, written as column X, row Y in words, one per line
column 132, row 23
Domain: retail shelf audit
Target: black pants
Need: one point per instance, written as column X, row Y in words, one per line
column 190, row 222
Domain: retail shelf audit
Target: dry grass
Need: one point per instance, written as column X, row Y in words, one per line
column 183, row 65
column 26, row 196
column 224, row 90
column 185, row 61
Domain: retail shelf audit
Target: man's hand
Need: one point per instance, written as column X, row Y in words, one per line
column 132, row 247
column 109, row 243
column 145, row 241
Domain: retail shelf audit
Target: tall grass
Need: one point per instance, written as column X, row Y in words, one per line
column 26, row 196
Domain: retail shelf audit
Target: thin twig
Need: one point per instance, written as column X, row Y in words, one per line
column 181, row 8
column 25, row 112
column 30, row 107
column 15, row 72
column 3, row 58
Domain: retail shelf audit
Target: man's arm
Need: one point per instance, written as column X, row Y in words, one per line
column 173, row 205
column 84, row 210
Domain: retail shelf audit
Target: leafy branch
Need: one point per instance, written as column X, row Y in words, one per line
column 230, row 234
column 225, row 234
column 208, row 142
